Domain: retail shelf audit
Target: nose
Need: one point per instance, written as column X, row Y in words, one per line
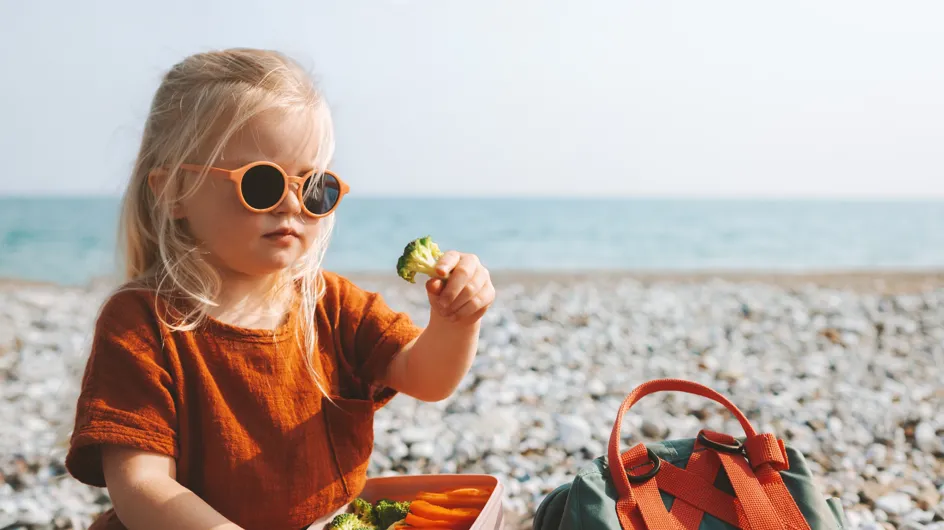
column 290, row 205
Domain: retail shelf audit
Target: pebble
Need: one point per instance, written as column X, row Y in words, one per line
column 650, row 429
column 423, row 450
column 919, row 516
column 927, row 439
column 596, row 388
column 573, row 433
column 877, row 454
column 852, row 380
column 894, row 503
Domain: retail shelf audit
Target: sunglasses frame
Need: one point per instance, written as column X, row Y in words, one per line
column 236, row 177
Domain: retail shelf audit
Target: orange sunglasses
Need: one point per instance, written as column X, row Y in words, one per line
column 262, row 187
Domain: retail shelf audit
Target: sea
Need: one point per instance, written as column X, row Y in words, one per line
column 70, row 240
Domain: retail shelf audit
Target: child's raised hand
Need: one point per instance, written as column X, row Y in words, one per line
column 468, row 291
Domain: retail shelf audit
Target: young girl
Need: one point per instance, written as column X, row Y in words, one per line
column 232, row 382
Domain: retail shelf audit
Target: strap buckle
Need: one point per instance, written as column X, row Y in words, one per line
column 656, row 465
column 736, row 448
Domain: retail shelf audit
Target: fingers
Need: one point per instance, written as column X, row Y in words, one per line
column 434, row 286
column 465, row 288
column 469, row 290
column 459, row 277
column 447, row 262
column 477, row 304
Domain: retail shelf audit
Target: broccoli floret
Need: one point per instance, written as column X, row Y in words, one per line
column 346, row 521
column 389, row 512
column 365, row 512
column 419, row 256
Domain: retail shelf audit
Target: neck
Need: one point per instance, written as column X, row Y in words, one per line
column 249, row 302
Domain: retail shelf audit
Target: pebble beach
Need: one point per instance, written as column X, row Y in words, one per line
column 847, row 368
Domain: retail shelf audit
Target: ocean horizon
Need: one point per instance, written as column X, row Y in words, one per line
column 71, row 239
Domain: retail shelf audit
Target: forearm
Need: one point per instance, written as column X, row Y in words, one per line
column 432, row 367
column 161, row 502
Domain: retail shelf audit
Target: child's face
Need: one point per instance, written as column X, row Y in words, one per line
column 241, row 241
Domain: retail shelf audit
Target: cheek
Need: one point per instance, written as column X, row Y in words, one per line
column 217, row 218
column 310, row 233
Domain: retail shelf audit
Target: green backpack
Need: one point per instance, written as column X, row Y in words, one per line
column 710, row 482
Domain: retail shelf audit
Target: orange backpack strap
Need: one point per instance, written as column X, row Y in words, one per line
column 689, row 509
column 638, row 466
column 695, row 496
column 761, row 500
column 760, row 512
column 768, row 457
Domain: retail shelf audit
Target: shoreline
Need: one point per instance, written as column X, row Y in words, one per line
column 879, row 281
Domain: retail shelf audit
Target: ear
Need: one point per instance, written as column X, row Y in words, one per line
column 157, row 180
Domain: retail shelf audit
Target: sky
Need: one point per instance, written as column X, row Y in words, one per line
column 807, row 98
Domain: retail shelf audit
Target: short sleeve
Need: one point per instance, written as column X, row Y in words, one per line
column 371, row 334
column 127, row 395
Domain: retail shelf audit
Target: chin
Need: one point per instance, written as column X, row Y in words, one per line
column 279, row 261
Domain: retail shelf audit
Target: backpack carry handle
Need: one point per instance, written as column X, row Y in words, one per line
column 620, row 480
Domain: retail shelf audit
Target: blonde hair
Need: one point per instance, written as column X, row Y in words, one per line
column 201, row 103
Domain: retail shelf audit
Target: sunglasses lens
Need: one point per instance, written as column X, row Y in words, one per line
column 262, row 187
column 321, row 194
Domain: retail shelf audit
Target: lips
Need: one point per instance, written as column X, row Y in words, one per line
column 281, row 232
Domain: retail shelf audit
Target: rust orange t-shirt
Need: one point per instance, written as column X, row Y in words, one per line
column 251, row 433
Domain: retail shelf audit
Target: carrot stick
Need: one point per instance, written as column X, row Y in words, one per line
column 424, row 523
column 447, row 500
column 415, row 520
column 439, row 513
column 468, row 492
